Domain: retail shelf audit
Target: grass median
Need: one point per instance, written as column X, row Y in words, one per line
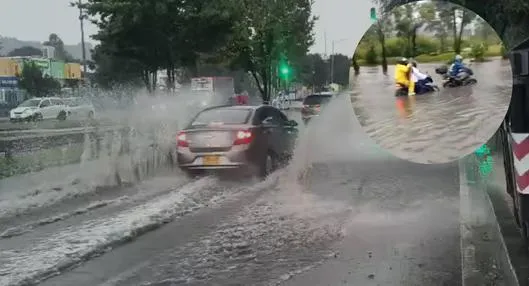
column 40, row 159
column 493, row 51
column 6, row 125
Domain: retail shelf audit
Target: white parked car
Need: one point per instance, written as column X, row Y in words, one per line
column 38, row 109
column 79, row 107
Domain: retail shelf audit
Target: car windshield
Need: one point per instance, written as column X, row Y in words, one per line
column 317, row 99
column 225, row 116
column 30, row 103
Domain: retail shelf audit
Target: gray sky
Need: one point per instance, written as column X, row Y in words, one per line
column 340, row 19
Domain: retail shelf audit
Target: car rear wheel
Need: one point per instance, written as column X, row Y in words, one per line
column 37, row 117
column 62, row 115
column 268, row 165
column 192, row 173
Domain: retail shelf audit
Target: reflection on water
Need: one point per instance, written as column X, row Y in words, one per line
column 435, row 128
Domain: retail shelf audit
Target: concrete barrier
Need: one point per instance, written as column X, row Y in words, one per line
column 485, row 258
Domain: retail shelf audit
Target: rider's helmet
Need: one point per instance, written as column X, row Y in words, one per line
column 402, row 61
column 458, row 58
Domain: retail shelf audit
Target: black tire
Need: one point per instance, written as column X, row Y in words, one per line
column 193, row 173
column 62, row 115
column 37, row 117
column 471, row 81
column 267, row 165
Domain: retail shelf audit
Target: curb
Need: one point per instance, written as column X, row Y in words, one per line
column 485, row 258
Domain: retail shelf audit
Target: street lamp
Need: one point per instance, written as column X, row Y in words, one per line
column 332, row 57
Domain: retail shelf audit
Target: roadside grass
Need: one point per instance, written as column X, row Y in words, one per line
column 38, row 160
column 493, row 51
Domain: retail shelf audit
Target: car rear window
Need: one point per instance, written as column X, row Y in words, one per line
column 316, row 99
column 222, row 116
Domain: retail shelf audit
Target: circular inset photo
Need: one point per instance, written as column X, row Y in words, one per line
column 432, row 81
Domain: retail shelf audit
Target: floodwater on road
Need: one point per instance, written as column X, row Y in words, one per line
column 439, row 127
column 359, row 216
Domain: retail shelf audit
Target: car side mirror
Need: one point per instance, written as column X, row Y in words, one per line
column 293, row 123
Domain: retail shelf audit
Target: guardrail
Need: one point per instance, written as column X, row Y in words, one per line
column 23, row 141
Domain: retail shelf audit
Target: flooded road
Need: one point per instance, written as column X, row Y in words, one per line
column 358, row 216
column 439, row 127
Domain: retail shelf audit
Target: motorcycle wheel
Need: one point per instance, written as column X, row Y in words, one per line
column 471, row 81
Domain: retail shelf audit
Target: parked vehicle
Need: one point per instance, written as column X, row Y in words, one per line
column 257, row 139
column 514, row 135
column 79, row 107
column 38, row 109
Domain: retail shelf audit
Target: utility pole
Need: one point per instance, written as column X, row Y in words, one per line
column 82, row 16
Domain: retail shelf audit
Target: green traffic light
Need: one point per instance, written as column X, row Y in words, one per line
column 373, row 14
column 285, row 70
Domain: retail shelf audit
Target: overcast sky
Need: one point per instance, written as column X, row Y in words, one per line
column 35, row 19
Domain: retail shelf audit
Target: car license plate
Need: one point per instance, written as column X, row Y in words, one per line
column 211, row 160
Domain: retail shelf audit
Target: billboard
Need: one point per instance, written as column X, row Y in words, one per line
column 72, row 71
column 43, row 64
column 8, row 67
column 57, row 69
column 8, row 81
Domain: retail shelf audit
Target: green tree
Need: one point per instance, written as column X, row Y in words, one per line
column 26, row 51
column 161, row 34
column 265, row 32
column 354, row 63
column 35, row 84
column 314, row 71
column 407, row 23
column 508, row 18
column 60, row 53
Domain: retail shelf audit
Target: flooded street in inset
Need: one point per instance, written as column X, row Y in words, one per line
column 437, row 127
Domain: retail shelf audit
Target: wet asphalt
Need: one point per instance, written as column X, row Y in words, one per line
column 345, row 212
column 438, row 127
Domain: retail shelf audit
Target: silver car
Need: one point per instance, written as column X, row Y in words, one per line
column 251, row 138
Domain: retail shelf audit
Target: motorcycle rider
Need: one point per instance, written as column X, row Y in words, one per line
column 419, row 78
column 403, row 71
column 458, row 69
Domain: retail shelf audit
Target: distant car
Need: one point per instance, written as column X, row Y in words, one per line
column 79, row 107
column 282, row 101
column 254, row 138
column 38, row 109
column 313, row 104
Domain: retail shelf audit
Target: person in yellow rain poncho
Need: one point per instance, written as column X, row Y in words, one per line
column 403, row 74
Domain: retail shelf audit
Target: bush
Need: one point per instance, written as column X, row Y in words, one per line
column 371, row 56
column 478, row 51
column 504, row 52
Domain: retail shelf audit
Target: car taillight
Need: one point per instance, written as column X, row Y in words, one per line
column 181, row 140
column 243, row 137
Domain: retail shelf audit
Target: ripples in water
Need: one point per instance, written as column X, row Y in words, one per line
column 436, row 128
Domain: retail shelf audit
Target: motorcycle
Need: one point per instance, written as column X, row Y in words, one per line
column 450, row 81
column 422, row 87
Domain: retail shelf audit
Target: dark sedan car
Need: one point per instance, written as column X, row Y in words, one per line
column 313, row 104
column 254, row 138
